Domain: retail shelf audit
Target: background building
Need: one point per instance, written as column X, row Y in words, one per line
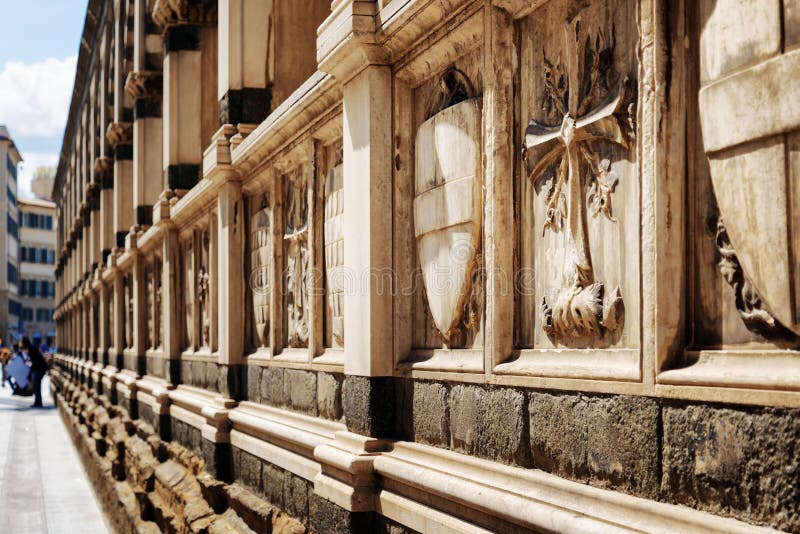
column 434, row 266
column 37, row 234
column 10, row 306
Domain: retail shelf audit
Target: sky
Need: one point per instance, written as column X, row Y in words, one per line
column 38, row 55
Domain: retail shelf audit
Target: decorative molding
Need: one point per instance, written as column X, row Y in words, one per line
column 752, row 310
column 486, row 492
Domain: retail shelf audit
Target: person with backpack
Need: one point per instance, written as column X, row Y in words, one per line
column 38, row 369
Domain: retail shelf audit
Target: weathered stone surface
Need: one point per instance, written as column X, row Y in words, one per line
column 608, row 441
column 369, row 405
column 334, row 519
column 254, row 383
column 489, row 422
column 301, row 390
column 734, row 461
column 427, row 405
column 272, row 483
column 295, row 497
column 272, row 391
column 329, row 395
column 246, row 469
column 212, row 376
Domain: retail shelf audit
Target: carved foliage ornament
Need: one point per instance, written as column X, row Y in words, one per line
column 447, row 206
column 586, row 105
column 749, row 303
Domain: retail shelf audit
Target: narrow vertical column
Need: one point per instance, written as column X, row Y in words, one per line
column 367, row 243
column 346, row 49
column 145, row 86
column 246, row 60
column 190, row 92
column 230, row 232
column 139, row 313
column 170, row 297
column 499, row 220
column 120, row 138
column 118, row 334
column 183, row 150
column 103, row 324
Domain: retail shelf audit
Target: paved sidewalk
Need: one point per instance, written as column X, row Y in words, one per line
column 43, row 488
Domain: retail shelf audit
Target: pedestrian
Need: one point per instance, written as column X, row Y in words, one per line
column 38, row 369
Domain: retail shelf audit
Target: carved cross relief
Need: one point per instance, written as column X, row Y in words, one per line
column 585, row 102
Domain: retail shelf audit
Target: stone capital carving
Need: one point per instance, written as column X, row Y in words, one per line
column 103, row 166
column 144, row 84
column 119, row 133
column 183, row 12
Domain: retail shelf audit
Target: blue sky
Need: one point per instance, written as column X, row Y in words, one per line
column 40, row 40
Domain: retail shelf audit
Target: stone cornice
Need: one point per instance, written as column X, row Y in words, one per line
column 168, row 13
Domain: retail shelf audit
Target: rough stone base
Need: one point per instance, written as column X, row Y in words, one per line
column 147, row 485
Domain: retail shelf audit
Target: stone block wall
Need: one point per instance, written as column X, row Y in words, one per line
column 731, row 460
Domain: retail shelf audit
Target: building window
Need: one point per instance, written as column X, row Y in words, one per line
column 12, row 198
column 14, row 307
column 12, row 226
column 12, row 273
column 12, row 168
column 27, row 314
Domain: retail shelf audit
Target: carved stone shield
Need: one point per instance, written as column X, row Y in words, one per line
column 189, row 289
column 750, row 121
column 261, row 272
column 334, row 251
column 447, row 209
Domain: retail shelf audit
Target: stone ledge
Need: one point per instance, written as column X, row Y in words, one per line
column 532, row 499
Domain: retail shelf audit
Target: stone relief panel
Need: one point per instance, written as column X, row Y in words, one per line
column 127, row 290
column 196, row 259
column 745, row 216
column 447, row 207
column 189, row 290
column 261, row 269
column 578, row 192
column 296, row 257
column 203, row 287
column 149, row 304
column 333, row 252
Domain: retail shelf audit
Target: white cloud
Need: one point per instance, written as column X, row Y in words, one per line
column 26, row 170
column 35, row 98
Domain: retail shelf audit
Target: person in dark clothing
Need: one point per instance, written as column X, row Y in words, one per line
column 38, row 369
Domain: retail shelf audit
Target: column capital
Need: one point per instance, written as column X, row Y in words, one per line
column 347, row 40
column 168, row 13
column 119, row 133
column 144, row 84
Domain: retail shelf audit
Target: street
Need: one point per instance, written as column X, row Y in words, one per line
column 43, row 487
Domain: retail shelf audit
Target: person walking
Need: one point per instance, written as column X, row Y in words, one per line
column 38, row 369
